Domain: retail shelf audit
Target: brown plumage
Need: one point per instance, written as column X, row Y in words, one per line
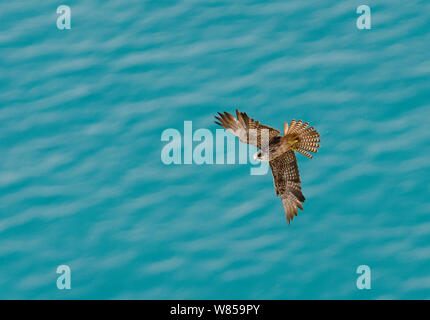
column 246, row 129
column 278, row 150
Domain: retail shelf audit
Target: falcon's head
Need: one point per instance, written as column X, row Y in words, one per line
column 261, row 156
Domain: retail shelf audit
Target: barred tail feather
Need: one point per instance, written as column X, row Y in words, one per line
column 307, row 137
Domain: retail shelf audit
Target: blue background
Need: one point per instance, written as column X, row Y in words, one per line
column 82, row 183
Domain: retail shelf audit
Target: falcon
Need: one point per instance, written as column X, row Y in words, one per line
column 278, row 150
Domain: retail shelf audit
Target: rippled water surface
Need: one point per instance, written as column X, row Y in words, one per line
column 82, row 183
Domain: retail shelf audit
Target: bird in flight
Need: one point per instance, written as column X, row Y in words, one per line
column 278, row 150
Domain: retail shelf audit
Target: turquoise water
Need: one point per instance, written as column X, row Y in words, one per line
column 82, row 182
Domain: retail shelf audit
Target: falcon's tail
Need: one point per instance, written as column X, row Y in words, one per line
column 305, row 138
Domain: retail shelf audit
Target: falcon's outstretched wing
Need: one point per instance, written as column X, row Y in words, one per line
column 287, row 183
column 246, row 129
